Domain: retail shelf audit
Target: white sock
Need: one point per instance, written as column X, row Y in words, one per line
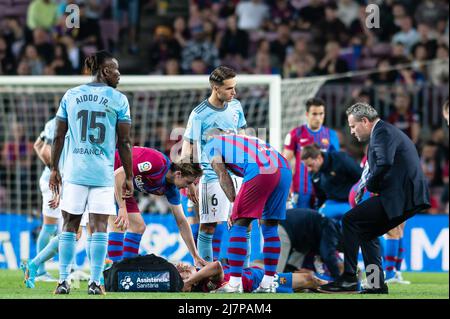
column 235, row 281
column 267, row 281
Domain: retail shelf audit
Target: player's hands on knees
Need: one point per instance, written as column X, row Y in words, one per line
column 55, row 182
column 192, row 193
column 54, row 202
column 121, row 221
column 127, row 188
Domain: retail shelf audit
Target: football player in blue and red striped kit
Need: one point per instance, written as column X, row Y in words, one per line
column 265, row 188
column 312, row 132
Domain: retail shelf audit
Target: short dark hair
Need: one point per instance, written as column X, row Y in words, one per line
column 187, row 168
column 221, row 74
column 94, row 62
column 314, row 101
column 311, row 151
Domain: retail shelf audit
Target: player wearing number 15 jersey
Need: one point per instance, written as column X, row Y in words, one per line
column 91, row 115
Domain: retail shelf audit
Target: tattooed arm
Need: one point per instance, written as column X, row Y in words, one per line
column 224, row 178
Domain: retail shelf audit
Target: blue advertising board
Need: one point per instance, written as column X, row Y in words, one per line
column 426, row 241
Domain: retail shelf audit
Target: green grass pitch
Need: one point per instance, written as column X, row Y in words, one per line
column 423, row 286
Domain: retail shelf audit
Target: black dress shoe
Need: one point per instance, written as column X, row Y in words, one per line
column 376, row 291
column 344, row 284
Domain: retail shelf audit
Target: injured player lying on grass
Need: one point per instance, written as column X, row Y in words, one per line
column 214, row 275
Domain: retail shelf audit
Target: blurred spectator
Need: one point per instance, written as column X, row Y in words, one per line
column 41, row 40
column 331, row 63
column 404, row 118
column 198, row 67
column 94, row 9
column 420, row 56
column 429, row 167
column 180, row 31
column 348, row 11
column 426, row 40
column 398, row 54
column 439, row 139
column 409, row 77
column 75, row 54
column 33, row 60
column 41, row 14
column 234, row 42
column 131, row 8
column 438, row 72
column 263, row 65
column 198, row 47
column 89, row 33
column 7, row 63
column 13, row 34
column 431, row 11
column 61, row 64
column 17, row 150
column 23, row 68
column 299, row 62
column 227, row 8
column 162, row 48
column 263, row 46
column 172, row 67
column 331, row 28
column 384, row 74
column 282, row 44
column 251, row 14
column 209, row 32
column 407, row 34
column 312, row 13
column 281, row 13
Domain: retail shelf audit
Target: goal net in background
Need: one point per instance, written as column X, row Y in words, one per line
column 160, row 107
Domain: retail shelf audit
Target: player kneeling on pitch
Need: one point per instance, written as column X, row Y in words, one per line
column 153, row 173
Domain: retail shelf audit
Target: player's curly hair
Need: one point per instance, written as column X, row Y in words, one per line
column 94, row 62
column 187, row 168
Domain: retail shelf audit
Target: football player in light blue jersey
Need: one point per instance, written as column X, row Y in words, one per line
column 42, row 147
column 91, row 115
column 220, row 111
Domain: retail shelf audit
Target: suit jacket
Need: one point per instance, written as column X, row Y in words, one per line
column 395, row 172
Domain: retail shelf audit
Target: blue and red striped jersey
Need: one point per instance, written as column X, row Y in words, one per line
column 245, row 156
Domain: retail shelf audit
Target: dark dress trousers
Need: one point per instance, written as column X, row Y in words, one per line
column 396, row 176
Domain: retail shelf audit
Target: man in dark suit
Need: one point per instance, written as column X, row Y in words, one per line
column 393, row 172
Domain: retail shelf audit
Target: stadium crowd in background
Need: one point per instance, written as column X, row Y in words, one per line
column 293, row 38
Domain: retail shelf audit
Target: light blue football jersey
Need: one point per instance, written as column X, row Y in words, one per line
column 92, row 112
column 203, row 119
